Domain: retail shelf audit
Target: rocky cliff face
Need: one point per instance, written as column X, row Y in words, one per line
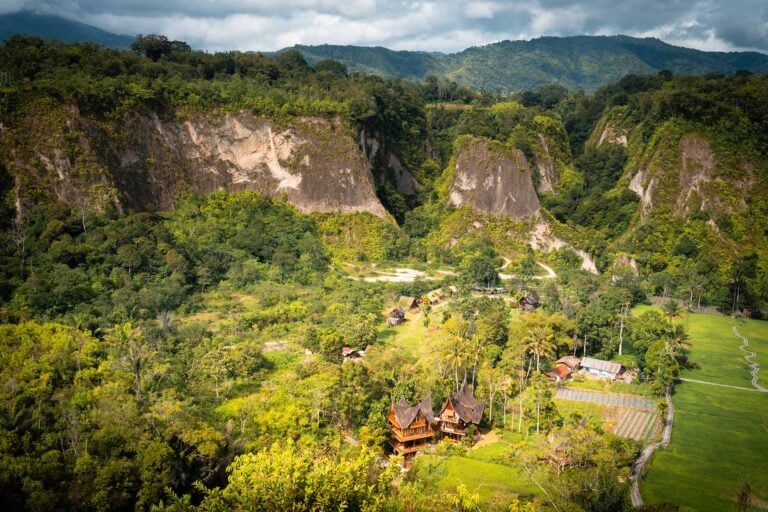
column 683, row 174
column 147, row 163
column 493, row 179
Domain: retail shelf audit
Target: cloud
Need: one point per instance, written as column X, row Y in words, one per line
column 432, row 25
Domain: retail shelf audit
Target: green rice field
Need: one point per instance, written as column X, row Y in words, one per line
column 720, row 434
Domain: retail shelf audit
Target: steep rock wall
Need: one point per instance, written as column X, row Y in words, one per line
column 683, row 174
column 147, row 163
column 493, row 179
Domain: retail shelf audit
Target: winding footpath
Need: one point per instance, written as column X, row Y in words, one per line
column 748, row 355
column 637, row 467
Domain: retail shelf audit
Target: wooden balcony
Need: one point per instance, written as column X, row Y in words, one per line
column 403, row 437
column 402, row 449
column 449, row 429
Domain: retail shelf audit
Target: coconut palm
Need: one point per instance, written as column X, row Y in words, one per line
column 673, row 310
column 540, row 343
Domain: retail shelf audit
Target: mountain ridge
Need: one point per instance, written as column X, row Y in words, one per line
column 575, row 62
column 59, row 29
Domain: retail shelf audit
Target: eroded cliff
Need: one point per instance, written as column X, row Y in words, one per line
column 493, row 179
column 146, row 162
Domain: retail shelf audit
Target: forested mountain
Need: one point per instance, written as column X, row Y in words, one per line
column 191, row 244
column 58, row 29
column 579, row 62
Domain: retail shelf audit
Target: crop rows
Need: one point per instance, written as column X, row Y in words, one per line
column 633, row 402
column 634, row 417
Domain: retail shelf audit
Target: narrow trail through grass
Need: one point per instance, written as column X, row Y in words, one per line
column 748, row 357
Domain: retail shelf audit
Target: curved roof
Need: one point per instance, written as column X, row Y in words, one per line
column 467, row 408
column 406, row 414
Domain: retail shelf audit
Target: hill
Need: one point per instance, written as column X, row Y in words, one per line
column 579, row 62
column 59, row 29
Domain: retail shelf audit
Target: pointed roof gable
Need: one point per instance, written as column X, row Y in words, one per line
column 406, row 414
column 466, row 407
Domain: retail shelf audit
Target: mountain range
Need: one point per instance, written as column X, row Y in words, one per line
column 59, row 29
column 579, row 62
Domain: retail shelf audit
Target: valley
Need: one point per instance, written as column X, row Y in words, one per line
column 237, row 281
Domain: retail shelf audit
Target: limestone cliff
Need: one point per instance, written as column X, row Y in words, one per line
column 147, row 163
column 494, row 179
column 680, row 173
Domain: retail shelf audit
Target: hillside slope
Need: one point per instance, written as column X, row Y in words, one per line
column 59, row 29
column 579, row 62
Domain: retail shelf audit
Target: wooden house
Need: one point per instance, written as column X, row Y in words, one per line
column 435, row 296
column 349, row 353
column 396, row 316
column 529, row 302
column 563, row 369
column 407, row 302
column 459, row 412
column 410, row 428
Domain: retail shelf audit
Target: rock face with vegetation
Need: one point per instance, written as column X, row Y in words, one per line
column 493, row 179
column 145, row 162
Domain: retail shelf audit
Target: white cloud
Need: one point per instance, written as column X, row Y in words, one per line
column 432, row 25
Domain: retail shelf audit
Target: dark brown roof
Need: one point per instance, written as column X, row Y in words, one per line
column 407, row 414
column 570, row 361
column 466, row 406
column 397, row 313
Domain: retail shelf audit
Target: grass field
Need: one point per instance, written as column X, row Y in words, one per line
column 497, row 484
column 720, row 435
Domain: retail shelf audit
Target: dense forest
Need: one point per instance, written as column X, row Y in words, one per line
column 191, row 357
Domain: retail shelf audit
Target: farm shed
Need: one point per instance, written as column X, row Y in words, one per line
column 600, row 368
column 395, row 316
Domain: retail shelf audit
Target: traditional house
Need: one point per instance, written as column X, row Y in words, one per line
column 563, row 369
column 396, row 316
column 572, row 362
column 406, row 302
column 600, row 368
column 459, row 412
column 435, row 296
column 410, row 427
column 529, row 302
column 349, row 353
column 559, row 373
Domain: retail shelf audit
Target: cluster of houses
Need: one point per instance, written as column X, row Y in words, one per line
column 590, row 367
column 414, row 427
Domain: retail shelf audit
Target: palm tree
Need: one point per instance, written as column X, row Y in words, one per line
column 539, row 343
column 677, row 339
column 673, row 310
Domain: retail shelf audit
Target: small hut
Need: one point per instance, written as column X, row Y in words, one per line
column 396, row 316
column 407, row 302
column 529, row 302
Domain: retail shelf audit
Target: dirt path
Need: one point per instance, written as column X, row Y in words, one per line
column 748, row 355
column 637, row 467
column 761, row 390
column 488, row 438
column 550, row 271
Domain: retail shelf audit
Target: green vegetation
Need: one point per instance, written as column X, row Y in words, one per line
column 581, row 62
column 195, row 357
column 719, row 439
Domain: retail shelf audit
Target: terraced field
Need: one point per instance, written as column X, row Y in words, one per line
column 633, row 417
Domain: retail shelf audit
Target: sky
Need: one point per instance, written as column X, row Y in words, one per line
column 428, row 25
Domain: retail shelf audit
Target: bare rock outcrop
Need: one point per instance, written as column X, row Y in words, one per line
column 545, row 165
column 493, row 179
column 148, row 163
